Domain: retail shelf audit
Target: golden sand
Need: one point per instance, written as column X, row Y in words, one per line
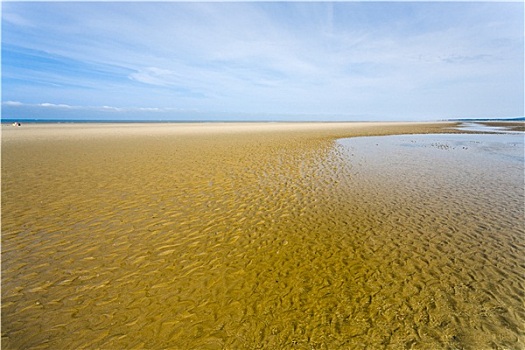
column 241, row 236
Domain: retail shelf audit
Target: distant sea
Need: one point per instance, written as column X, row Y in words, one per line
column 122, row 121
column 519, row 119
column 111, row 121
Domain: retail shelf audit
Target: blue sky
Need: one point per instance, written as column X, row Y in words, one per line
column 262, row 61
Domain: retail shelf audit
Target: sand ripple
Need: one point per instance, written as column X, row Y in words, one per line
column 252, row 240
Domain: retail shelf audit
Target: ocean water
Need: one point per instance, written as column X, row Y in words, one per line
column 275, row 241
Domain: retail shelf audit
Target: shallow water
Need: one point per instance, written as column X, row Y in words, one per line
column 477, row 127
column 454, row 206
column 212, row 242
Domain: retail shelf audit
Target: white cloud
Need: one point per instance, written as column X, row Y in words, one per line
column 52, row 105
column 17, row 104
column 12, row 103
column 107, row 108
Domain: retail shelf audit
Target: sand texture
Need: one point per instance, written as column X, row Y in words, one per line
column 247, row 236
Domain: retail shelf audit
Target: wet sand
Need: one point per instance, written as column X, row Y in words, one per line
column 515, row 126
column 241, row 236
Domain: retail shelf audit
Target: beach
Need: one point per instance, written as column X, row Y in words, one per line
column 254, row 235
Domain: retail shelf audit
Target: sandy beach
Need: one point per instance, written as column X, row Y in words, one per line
column 77, row 131
column 250, row 235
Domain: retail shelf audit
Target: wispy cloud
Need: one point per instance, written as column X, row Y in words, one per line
column 52, row 105
column 12, row 103
column 390, row 59
column 88, row 108
column 155, row 76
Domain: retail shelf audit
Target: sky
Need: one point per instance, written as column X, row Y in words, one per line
column 325, row 61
